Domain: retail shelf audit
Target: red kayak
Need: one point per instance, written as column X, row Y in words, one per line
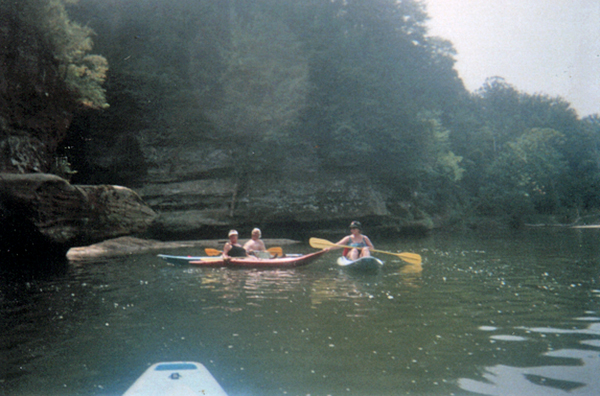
column 290, row 260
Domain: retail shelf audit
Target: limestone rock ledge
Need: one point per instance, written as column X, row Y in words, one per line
column 67, row 215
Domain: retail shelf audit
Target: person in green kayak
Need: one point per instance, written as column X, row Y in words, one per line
column 360, row 243
column 233, row 248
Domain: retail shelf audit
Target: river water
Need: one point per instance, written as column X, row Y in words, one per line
column 491, row 314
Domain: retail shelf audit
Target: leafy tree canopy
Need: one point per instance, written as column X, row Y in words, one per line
column 70, row 42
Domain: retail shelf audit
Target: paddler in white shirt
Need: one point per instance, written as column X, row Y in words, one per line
column 255, row 245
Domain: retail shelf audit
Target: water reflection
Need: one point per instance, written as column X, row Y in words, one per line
column 254, row 287
column 340, row 288
column 566, row 371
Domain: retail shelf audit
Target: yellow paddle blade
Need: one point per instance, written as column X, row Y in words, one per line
column 275, row 251
column 318, row 243
column 212, row 252
column 411, row 258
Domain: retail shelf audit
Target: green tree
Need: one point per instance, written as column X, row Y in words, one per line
column 70, row 43
column 441, row 172
column 485, row 131
column 500, row 108
column 373, row 70
column 264, row 82
column 262, row 88
column 582, row 182
column 441, row 162
column 523, row 179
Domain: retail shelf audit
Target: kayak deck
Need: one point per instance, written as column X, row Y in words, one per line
column 290, row 260
column 176, row 379
column 369, row 262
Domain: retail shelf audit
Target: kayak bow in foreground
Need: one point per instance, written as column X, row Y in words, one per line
column 176, row 379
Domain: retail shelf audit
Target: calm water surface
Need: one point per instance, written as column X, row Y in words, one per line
column 504, row 314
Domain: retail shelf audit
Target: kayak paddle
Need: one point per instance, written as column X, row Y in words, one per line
column 411, row 258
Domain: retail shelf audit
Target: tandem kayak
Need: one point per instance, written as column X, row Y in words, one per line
column 363, row 263
column 289, row 260
column 176, row 379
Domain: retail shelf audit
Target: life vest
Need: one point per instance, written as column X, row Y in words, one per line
column 355, row 245
column 237, row 251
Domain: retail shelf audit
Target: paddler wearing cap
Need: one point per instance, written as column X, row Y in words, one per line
column 360, row 243
column 233, row 248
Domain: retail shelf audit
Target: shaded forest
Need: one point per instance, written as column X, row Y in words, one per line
column 357, row 84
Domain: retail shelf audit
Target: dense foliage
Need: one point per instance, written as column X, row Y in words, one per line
column 526, row 154
column 358, row 85
column 69, row 42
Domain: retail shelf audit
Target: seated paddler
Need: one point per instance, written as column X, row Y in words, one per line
column 255, row 246
column 233, row 248
column 358, row 243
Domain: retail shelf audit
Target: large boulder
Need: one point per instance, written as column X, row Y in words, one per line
column 46, row 207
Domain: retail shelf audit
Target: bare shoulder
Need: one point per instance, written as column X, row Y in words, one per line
column 344, row 240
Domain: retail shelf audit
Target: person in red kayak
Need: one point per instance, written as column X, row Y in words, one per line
column 255, row 245
column 233, row 248
column 360, row 243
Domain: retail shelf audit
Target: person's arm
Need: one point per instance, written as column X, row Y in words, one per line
column 343, row 241
column 226, row 250
column 368, row 242
column 263, row 248
column 247, row 246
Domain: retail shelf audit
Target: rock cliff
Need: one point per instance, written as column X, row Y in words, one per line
column 198, row 193
column 47, row 209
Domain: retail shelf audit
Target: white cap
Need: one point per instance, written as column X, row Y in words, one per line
column 232, row 232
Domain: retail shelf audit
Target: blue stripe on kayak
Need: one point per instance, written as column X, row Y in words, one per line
column 175, row 366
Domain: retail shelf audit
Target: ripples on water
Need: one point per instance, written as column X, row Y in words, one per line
column 494, row 316
column 565, row 372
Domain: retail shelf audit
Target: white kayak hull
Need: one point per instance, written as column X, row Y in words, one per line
column 361, row 263
column 176, row 379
